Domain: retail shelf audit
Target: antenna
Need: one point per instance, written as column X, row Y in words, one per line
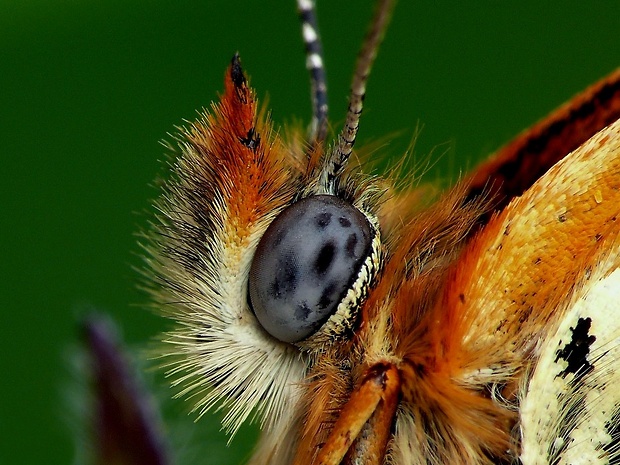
column 314, row 65
column 346, row 139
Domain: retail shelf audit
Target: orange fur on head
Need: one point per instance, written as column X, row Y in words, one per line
column 239, row 157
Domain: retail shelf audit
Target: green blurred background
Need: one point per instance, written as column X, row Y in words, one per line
column 88, row 88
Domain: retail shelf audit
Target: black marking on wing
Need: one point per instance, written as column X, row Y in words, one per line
column 576, row 352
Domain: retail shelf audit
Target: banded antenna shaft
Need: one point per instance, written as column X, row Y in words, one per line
column 314, row 65
column 346, row 139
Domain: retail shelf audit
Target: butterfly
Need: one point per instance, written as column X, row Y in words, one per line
column 361, row 323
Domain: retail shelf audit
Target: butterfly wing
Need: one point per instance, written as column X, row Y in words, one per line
column 533, row 305
column 570, row 410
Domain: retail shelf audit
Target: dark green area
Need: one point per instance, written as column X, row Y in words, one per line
column 87, row 89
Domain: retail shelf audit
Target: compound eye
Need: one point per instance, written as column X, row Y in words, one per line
column 305, row 263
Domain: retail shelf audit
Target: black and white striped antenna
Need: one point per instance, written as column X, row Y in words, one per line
column 338, row 156
column 315, row 66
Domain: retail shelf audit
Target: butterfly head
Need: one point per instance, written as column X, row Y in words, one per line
column 296, row 300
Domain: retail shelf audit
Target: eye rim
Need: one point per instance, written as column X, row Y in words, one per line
column 342, row 321
column 341, row 324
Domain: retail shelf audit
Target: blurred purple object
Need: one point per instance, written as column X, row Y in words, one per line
column 127, row 427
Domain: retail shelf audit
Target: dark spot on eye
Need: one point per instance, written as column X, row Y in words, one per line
column 344, row 222
column 350, row 245
column 285, row 279
column 280, row 237
column 325, row 258
column 302, row 311
column 326, row 297
column 323, row 219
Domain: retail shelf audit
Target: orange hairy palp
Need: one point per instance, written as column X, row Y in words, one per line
column 422, row 345
column 245, row 168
